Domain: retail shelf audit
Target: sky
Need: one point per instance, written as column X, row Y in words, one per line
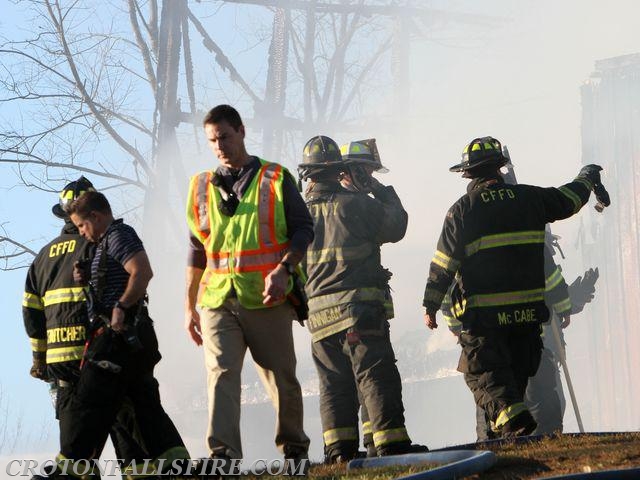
column 517, row 78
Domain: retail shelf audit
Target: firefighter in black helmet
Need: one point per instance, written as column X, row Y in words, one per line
column 55, row 317
column 349, row 301
column 544, row 395
column 493, row 239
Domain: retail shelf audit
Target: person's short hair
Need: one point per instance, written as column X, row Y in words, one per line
column 90, row 202
column 221, row 113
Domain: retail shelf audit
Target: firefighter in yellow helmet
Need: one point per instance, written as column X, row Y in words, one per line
column 349, row 300
column 493, row 239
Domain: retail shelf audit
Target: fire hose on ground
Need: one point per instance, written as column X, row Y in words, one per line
column 455, row 463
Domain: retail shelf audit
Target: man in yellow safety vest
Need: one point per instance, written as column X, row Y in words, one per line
column 249, row 230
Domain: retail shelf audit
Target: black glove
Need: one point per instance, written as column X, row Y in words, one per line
column 82, row 272
column 39, row 367
column 582, row 290
column 591, row 172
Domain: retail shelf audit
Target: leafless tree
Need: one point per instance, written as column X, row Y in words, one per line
column 111, row 89
column 81, row 95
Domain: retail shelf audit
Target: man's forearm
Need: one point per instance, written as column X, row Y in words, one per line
column 193, row 277
column 136, row 289
column 140, row 274
column 293, row 257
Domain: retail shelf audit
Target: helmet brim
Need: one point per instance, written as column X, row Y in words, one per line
column 319, row 164
column 464, row 166
column 378, row 167
column 59, row 212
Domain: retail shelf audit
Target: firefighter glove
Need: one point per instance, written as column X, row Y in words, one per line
column 39, row 367
column 583, row 289
column 591, row 172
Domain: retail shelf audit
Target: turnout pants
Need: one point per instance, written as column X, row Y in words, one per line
column 97, row 399
column 497, row 364
column 357, row 367
column 227, row 332
column 125, row 434
column 544, row 399
column 544, row 396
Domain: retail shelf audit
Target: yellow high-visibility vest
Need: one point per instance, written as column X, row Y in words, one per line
column 242, row 249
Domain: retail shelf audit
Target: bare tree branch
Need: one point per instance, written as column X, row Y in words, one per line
column 144, row 49
column 17, row 244
column 10, row 250
column 80, row 85
column 34, row 159
column 222, row 59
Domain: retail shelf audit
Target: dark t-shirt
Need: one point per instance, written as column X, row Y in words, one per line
column 122, row 243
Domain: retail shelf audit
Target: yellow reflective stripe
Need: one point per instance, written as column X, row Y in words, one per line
column 337, row 254
column 65, row 354
column 504, row 240
column 562, row 306
column 201, row 204
column 445, row 261
column 38, row 344
column 340, row 434
column 174, row 453
column 577, row 203
column 584, row 181
column 509, row 413
column 346, row 296
column 29, row 300
column 64, row 295
column 366, row 428
column 452, row 321
column 141, row 469
column 383, row 437
column 333, row 328
column 459, row 308
column 388, row 309
column 553, row 280
column 506, row 298
column 69, row 466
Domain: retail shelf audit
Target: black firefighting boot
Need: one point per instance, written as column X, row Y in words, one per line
column 217, row 466
column 340, row 452
column 400, row 448
column 296, row 461
column 519, row 426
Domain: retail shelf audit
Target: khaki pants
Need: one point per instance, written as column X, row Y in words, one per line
column 227, row 332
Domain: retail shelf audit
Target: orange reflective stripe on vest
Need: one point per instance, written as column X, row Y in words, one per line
column 218, row 262
column 266, row 205
column 260, row 260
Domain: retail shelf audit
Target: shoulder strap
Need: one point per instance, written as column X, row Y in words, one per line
column 101, row 274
